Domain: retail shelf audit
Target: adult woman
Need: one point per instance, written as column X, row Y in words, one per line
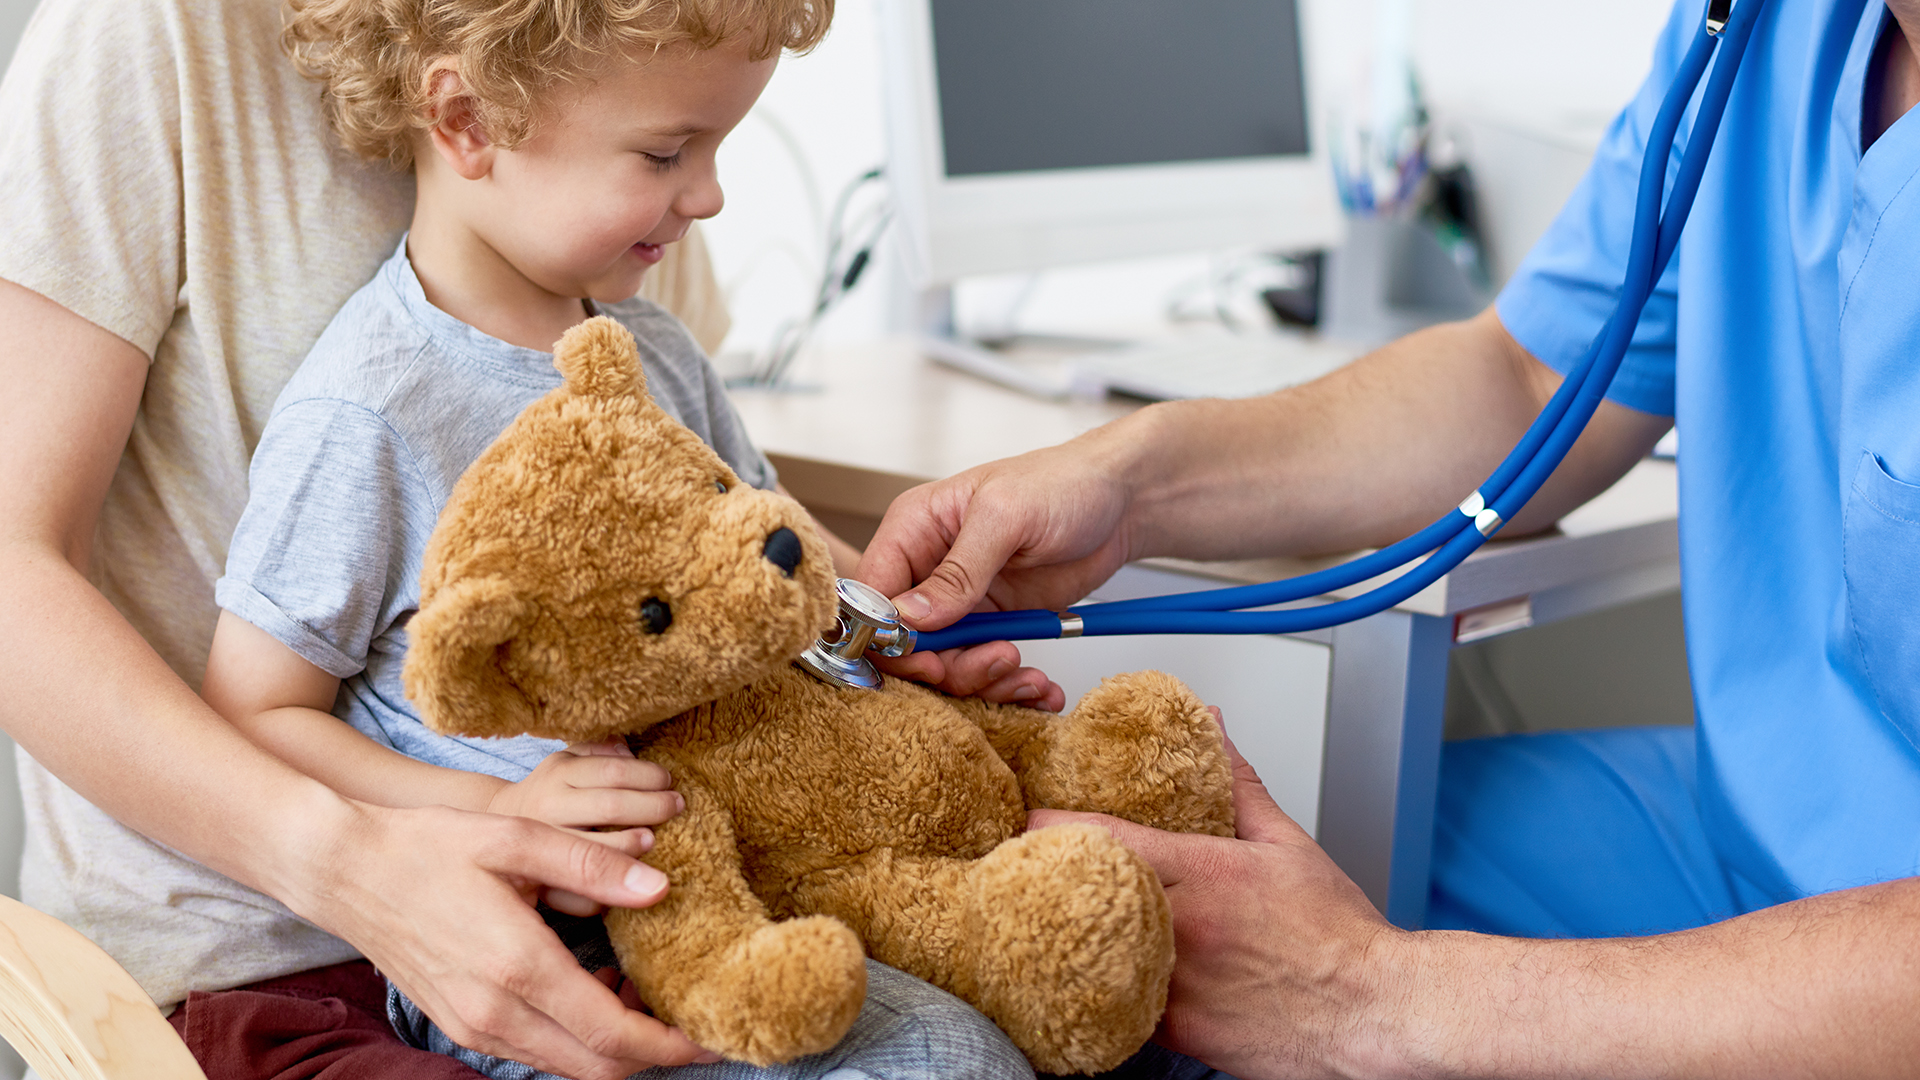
column 179, row 232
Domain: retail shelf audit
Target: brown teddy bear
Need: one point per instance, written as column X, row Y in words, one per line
column 600, row 573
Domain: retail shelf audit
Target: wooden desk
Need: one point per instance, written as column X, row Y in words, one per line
column 1344, row 724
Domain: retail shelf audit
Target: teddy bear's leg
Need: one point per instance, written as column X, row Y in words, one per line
column 1140, row 746
column 708, row 959
column 1061, row 936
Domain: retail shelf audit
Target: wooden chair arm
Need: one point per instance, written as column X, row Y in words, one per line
column 74, row 1013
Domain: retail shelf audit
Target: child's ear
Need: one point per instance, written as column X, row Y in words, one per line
column 455, row 132
column 455, row 670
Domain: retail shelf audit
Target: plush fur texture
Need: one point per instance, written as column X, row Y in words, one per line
column 600, row 573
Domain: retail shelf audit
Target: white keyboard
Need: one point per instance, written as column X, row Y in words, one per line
column 1244, row 365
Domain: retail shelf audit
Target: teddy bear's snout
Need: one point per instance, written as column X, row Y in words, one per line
column 783, row 550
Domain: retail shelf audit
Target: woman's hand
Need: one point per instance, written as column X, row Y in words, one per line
column 442, row 902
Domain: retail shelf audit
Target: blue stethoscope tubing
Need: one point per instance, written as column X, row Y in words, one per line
column 1451, row 539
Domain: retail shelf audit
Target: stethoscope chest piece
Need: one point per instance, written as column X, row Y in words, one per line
column 867, row 620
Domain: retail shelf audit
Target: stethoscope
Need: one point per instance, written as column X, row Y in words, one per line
column 868, row 620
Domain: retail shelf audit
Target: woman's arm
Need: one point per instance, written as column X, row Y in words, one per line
column 440, row 900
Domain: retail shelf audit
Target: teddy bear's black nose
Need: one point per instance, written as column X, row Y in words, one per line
column 783, row 550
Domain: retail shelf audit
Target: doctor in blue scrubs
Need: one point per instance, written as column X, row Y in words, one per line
column 1736, row 898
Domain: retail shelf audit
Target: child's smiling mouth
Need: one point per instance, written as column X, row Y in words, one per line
column 650, row 253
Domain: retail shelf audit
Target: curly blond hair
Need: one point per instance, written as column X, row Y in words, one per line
column 372, row 57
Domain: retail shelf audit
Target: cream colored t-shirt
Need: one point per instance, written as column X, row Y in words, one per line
column 166, row 175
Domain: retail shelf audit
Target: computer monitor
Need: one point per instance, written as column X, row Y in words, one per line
column 1029, row 134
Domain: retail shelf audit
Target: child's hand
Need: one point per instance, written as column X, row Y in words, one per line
column 590, row 786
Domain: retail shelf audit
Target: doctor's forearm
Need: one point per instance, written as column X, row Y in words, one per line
column 1826, row 986
column 1361, row 457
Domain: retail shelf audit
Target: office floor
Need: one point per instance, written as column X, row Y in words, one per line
column 1621, row 667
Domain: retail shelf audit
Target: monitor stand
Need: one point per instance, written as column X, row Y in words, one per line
column 1189, row 365
column 1041, row 373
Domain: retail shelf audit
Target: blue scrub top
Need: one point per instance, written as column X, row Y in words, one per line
column 1785, row 340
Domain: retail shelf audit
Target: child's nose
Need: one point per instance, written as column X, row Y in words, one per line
column 702, row 198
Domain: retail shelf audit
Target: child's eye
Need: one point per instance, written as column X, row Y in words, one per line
column 661, row 164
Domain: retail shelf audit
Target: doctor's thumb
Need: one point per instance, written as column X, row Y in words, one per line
column 1168, row 853
column 1256, row 816
column 940, row 600
column 979, row 552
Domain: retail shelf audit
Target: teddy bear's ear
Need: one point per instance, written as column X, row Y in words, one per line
column 599, row 359
column 455, row 670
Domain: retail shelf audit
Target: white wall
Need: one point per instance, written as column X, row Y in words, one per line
column 1557, row 61
column 1530, row 82
column 13, row 18
column 1522, row 73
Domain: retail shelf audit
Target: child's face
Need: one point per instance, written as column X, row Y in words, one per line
column 616, row 169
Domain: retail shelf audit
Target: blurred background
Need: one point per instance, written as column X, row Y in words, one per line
column 1523, row 89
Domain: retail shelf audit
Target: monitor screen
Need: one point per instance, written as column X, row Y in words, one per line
column 1028, row 85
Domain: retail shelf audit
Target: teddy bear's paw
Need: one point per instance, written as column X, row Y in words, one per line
column 789, row 990
column 1073, row 944
column 1143, row 747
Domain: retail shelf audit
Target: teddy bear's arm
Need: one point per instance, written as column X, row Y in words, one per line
column 709, row 959
column 1061, row 936
column 1016, row 733
column 1141, row 746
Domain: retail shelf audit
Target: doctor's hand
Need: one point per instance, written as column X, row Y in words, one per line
column 1280, row 955
column 1036, row 531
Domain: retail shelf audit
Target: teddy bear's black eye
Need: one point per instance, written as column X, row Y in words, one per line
column 655, row 615
column 720, row 486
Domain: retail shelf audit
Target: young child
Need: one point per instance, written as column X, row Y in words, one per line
column 558, row 147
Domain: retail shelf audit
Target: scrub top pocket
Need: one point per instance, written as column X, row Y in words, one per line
column 1883, row 589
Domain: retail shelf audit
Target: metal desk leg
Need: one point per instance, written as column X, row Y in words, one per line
column 1381, row 772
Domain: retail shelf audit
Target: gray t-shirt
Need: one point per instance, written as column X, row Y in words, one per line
column 356, row 462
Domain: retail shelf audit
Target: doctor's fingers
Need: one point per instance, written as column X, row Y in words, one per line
column 1024, row 686
column 991, row 671
column 913, row 554
column 1172, row 855
column 1256, row 816
column 1213, row 864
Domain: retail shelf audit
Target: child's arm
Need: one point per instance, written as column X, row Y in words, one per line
column 280, row 701
column 846, row 557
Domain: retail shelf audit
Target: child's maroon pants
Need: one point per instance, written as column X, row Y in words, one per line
column 326, row 1024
